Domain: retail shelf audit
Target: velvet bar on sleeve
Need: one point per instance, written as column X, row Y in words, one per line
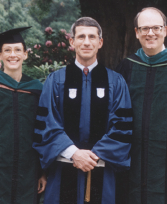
column 114, row 146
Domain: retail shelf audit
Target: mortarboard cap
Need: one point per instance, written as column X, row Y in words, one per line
column 12, row 36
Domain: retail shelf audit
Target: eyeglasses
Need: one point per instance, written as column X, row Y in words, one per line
column 8, row 51
column 155, row 29
column 91, row 37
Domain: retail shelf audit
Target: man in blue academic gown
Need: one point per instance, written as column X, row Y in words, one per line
column 84, row 124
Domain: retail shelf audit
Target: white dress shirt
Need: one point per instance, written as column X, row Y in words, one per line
column 69, row 151
column 89, row 67
column 163, row 48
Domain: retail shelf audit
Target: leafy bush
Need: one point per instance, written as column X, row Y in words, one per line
column 48, row 57
column 32, row 72
column 46, row 69
column 56, row 48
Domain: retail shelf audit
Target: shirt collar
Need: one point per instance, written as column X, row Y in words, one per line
column 90, row 67
column 163, row 48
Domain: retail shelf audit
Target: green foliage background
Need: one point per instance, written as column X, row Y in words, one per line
column 39, row 14
column 57, row 14
column 18, row 16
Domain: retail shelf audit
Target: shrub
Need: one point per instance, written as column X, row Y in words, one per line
column 46, row 69
column 56, row 48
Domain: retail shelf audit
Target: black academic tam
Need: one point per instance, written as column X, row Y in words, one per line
column 12, row 36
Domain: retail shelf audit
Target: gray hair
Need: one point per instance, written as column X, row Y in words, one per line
column 86, row 21
column 149, row 8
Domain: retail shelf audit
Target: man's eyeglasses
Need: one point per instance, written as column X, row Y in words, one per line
column 155, row 29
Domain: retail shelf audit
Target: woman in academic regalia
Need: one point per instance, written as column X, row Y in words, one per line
column 20, row 177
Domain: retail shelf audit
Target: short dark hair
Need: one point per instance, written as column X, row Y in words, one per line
column 149, row 8
column 86, row 21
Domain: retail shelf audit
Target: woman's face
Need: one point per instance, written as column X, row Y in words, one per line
column 13, row 56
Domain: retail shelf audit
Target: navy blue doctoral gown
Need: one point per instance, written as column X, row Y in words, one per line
column 113, row 147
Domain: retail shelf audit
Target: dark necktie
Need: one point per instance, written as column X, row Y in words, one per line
column 86, row 71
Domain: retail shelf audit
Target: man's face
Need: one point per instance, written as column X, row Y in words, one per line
column 151, row 43
column 86, row 44
column 13, row 56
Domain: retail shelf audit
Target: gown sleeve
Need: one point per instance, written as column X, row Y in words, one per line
column 115, row 145
column 50, row 139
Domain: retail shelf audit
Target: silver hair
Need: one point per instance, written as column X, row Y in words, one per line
column 86, row 21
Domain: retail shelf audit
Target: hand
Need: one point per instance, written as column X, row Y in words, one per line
column 42, row 183
column 84, row 160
